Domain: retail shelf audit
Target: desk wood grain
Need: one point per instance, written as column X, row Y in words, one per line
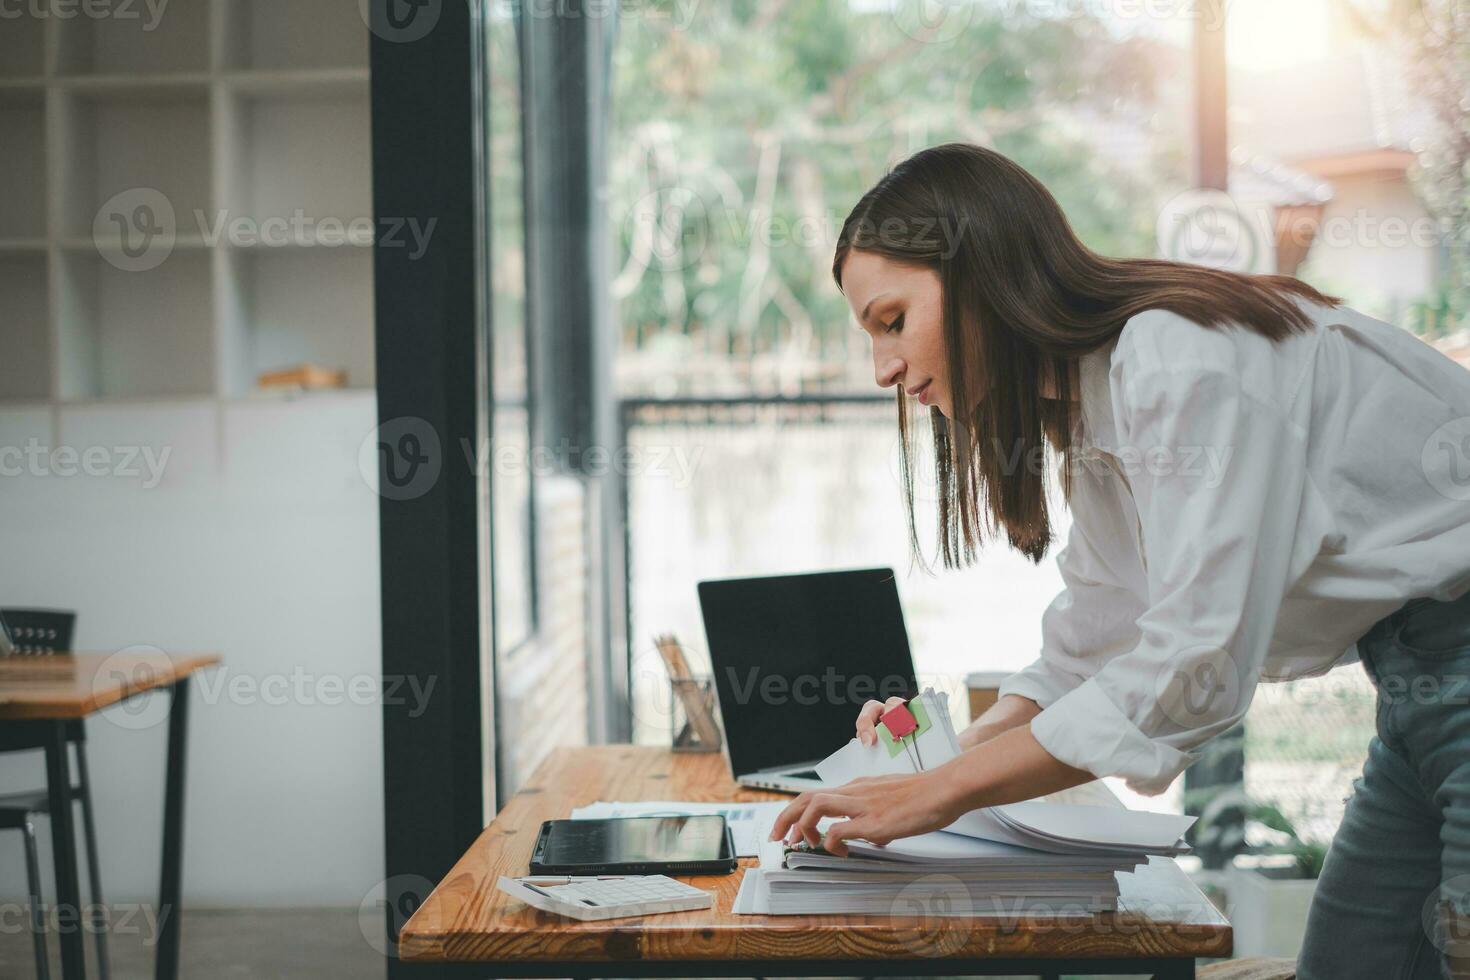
column 467, row 919
column 76, row 684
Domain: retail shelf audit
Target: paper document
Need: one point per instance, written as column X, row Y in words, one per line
column 939, row 873
column 750, row 823
column 934, row 745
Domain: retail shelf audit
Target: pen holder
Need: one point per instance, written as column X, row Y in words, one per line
column 694, row 715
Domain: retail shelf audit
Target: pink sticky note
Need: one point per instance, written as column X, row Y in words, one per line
column 899, row 721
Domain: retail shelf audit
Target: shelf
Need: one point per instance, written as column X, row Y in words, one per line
column 123, row 144
column 294, row 34
column 305, row 157
column 25, row 351
column 142, row 86
column 176, row 39
column 136, row 334
column 254, row 112
column 111, row 245
column 278, row 396
column 284, row 307
column 23, row 166
column 22, row 47
column 325, row 81
column 273, row 237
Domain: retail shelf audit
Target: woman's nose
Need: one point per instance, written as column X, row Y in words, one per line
column 887, row 369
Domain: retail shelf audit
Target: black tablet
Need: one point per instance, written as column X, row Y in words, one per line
column 692, row 845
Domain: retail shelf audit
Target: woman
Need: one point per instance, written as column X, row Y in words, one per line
column 1264, row 484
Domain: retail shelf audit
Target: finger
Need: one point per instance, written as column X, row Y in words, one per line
column 837, row 836
column 827, row 805
column 866, row 719
column 788, row 816
column 805, row 827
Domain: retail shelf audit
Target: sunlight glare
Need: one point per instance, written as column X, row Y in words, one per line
column 1266, row 34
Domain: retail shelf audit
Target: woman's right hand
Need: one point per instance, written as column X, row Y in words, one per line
column 868, row 718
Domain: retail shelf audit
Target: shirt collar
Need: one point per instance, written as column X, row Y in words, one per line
column 1095, row 428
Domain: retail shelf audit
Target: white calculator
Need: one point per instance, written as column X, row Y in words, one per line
column 606, row 896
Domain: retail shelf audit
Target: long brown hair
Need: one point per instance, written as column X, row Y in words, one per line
column 1023, row 299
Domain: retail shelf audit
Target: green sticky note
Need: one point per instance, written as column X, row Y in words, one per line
column 886, row 737
column 921, row 719
column 916, row 708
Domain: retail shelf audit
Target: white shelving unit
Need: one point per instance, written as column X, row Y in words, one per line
column 292, row 35
column 136, row 44
column 246, row 116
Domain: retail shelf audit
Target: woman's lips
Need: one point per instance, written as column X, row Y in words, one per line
column 922, row 392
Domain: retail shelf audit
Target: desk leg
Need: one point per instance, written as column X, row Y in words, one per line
column 166, row 966
column 64, row 848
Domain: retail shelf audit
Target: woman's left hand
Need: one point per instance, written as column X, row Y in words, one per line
column 879, row 809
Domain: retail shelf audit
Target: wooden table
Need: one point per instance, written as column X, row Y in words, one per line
column 39, row 697
column 472, row 929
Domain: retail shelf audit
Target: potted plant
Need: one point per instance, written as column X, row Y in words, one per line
column 1271, row 880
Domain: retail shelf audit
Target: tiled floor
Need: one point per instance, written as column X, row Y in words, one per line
column 228, row 944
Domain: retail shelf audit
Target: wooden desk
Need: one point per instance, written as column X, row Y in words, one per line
column 39, row 698
column 1164, row 923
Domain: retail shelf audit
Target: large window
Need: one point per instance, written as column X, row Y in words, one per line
column 741, row 138
column 742, row 134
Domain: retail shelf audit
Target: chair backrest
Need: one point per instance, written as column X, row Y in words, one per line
column 35, row 632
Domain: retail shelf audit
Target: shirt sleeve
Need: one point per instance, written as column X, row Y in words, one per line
column 1095, row 615
column 1218, row 477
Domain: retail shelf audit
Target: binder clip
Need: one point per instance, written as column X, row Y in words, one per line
column 900, row 727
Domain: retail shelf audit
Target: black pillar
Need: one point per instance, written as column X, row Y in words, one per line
column 432, row 403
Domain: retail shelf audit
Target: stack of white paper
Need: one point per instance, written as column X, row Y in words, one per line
column 933, row 874
column 1065, row 828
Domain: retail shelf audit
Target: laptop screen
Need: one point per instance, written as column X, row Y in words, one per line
column 795, row 658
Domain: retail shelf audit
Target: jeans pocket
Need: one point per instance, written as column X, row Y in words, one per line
column 1434, row 630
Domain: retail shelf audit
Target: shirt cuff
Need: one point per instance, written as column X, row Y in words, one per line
column 1029, row 684
column 1085, row 730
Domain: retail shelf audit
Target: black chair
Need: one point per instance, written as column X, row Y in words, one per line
column 39, row 633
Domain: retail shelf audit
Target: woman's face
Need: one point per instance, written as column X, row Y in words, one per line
column 898, row 307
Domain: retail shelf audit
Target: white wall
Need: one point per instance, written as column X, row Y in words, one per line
column 260, row 543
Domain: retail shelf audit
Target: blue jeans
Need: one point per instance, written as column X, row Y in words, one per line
column 1391, row 902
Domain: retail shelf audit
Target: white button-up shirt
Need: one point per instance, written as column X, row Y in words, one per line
column 1242, row 511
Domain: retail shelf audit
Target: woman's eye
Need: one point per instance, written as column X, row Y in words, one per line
column 897, row 324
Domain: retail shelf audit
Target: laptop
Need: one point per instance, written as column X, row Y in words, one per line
column 795, row 658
